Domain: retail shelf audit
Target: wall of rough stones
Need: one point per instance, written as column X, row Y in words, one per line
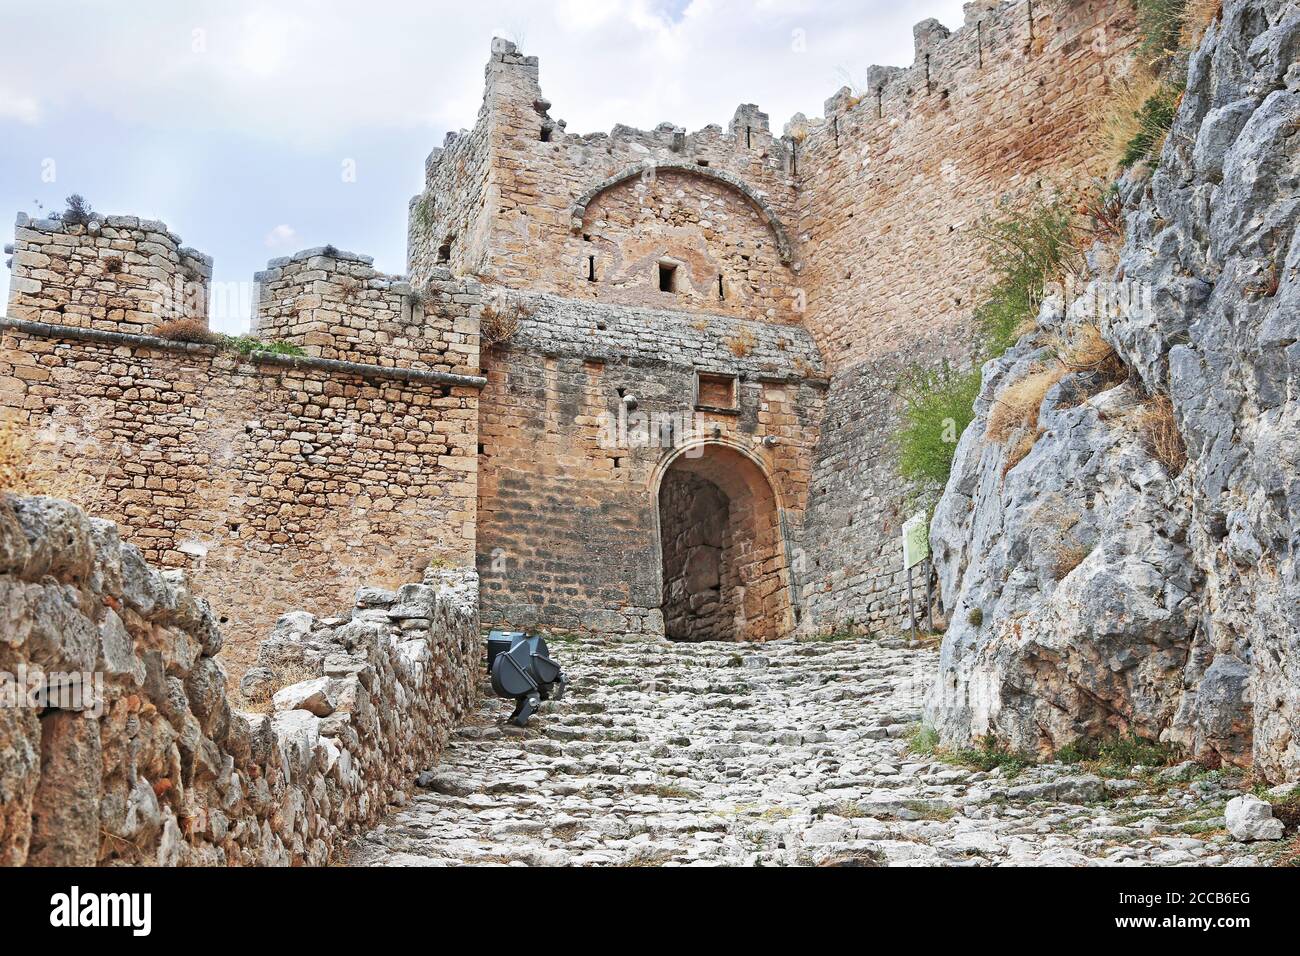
column 156, row 765
column 117, row 272
column 276, row 480
column 697, row 604
column 568, row 525
column 892, row 183
column 336, row 306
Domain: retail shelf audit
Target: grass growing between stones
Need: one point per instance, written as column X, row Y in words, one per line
column 923, row 740
column 829, row 638
column 1118, row 756
column 670, row 791
column 928, row 810
column 197, row 331
column 987, row 755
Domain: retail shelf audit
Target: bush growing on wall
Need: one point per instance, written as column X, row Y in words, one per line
column 938, row 404
column 1026, row 249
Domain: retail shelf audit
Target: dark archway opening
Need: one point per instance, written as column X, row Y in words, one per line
column 725, row 574
column 693, row 523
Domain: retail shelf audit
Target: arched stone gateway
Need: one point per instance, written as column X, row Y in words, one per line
column 724, row 566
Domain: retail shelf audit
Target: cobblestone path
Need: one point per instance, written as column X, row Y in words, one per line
column 773, row 754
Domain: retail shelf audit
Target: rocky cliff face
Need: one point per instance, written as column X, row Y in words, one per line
column 1099, row 585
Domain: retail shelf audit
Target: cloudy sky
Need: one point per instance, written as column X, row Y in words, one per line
column 237, row 122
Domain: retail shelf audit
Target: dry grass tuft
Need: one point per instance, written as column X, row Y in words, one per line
column 1067, row 556
column 1016, row 408
column 1160, row 433
column 1019, row 451
column 742, row 343
column 187, row 330
column 1118, row 117
column 499, row 321
column 1197, row 17
column 1087, row 352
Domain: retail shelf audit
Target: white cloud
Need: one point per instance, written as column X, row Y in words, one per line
column 18, row 107
column 281, row 236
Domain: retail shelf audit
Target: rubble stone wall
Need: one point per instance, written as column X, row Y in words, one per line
column 153, row 763
column 698, row 604
column 276, row 480
column 120, row 273
column 335, row 305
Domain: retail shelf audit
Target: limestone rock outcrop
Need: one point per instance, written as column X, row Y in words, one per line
column 120, row 743
column 1099, row 586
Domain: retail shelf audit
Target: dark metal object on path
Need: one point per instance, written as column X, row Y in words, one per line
column 522, row 669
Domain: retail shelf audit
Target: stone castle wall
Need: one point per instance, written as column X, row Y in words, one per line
column 119, row 273
column 568, row 531
column 276, row 480
column 892, row 184
column 153, row 763
column 336, row 306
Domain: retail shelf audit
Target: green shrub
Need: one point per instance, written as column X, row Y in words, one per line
column 975, row 618
column 247, row 345
column 1154, row 121
column 938, row 404
column 1160, row 25
column 1026, row 248
column 1131, row 750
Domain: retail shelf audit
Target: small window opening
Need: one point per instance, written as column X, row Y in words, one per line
column 444, row 252
column 701, row 162
column 721, row 293
column 667, row 277
column 618, row 462
column 749, row 137
column 591, row 268
column 546, row 134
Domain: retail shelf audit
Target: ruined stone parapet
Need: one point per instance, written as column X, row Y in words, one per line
column 335, row 305
column 521, row 202
column 154, row 762
column 119, row 273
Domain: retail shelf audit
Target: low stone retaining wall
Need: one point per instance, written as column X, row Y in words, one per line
column 120, row 742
